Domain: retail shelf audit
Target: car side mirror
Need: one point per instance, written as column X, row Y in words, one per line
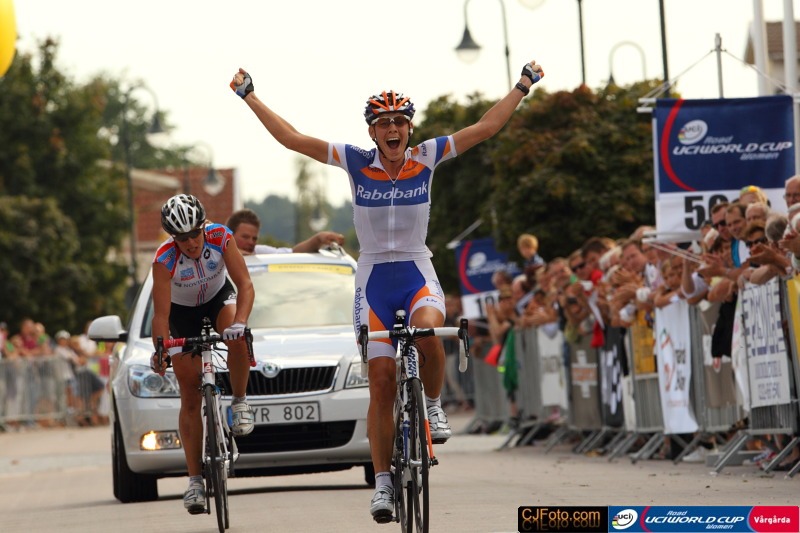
column 108, row 329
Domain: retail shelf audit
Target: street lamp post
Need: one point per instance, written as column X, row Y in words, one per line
column 664, row 47
column 611, row 59
column 580, row 37
column 213, row 182
column 155, row 127
column 468, row 49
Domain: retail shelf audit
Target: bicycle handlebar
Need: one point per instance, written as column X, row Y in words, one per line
column 206, row 338
column 364, row 335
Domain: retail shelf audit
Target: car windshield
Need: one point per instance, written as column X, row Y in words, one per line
column 302, row 295
column 290, row 295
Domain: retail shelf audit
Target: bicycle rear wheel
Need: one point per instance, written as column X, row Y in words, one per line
column 216, row 464
column 419, row 463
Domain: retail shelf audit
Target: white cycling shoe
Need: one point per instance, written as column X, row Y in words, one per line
column 440, row 427
column 382, row 506
column 243, row 419
column 194, row 499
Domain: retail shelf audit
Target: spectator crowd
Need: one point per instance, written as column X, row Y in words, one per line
column 48, row 381
column 613, row 283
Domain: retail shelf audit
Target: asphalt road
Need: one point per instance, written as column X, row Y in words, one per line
column 60, row 480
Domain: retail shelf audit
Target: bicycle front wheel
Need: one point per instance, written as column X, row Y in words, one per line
column 418, row 459
column 399, row 470
column 216, row 475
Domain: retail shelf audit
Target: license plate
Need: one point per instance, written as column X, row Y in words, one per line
column 286, row 413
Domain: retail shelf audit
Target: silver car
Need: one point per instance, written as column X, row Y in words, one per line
column 307, row 391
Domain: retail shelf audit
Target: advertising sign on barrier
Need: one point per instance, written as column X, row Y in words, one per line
column 674, row 349
column 611, row 357
column 585, row 403
column 477, row 260
column 793, row 293
column 707, row 150
column 644, row 361
column 551, row 359
column 765, row 343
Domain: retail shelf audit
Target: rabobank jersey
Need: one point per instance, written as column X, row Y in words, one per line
column 196, row 281
column 391, row 217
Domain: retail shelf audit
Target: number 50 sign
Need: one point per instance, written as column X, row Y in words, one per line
column 706, row 151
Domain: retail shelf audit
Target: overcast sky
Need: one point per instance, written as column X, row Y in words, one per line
column 316, row 62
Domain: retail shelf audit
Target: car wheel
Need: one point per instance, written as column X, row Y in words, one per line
column 129, row 486
column 369, row 474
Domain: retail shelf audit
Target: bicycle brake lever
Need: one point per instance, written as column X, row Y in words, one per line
column 248, row 336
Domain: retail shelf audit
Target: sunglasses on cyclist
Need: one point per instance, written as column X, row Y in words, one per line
column 183, row 237
column 397, row 120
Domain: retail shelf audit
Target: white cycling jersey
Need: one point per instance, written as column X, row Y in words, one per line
column 196, row 281
column 391, row 216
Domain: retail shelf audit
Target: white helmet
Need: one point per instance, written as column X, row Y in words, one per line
column 181, row 214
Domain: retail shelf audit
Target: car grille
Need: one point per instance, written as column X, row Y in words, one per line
column 296, row 437
column 288, row 381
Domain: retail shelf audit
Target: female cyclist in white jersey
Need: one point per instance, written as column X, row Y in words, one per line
column 190, row 283
column 390, row 187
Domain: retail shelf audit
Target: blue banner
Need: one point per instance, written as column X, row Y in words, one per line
column 707, row 150
column 477, row 260
column 676, row 519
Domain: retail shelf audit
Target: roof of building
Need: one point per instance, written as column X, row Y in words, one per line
column 774, row 42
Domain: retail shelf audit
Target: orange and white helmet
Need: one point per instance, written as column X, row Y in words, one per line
column 387, row 102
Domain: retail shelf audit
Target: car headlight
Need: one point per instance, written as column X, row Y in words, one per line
column 144, row 383
column 354, row 379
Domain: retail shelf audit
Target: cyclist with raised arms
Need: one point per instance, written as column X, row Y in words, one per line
column 189, row 283
column 390, row 186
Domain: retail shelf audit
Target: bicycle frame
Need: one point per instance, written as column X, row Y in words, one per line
column 412, row 454
column 229, row 456
column 219, row 447
column 408, row 370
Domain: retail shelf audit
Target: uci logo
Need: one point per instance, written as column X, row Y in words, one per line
column 624, row 519
column 692, row 132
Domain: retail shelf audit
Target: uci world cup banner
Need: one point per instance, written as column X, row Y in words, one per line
column 476, row 261
column 706, row 151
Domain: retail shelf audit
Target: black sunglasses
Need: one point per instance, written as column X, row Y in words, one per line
column 579, row 266
column 183, row 237
column 762, row 240
column 720, row 224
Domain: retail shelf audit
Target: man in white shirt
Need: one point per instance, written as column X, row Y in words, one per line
column 245, row 226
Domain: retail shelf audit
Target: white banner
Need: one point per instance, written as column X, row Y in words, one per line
column 674, row 356
column 551, row 358
column 767, row 359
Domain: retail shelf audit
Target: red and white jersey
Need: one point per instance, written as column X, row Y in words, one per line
column 196, row 281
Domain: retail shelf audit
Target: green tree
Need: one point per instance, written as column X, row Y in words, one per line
column 46, row 276
column 64, row 214
column 568, row 166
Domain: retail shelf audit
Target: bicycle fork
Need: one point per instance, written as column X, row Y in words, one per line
column 412, row 370
column 210, row 381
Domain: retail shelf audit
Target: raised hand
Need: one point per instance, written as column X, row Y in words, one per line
column 533, row 71
column 242, row 83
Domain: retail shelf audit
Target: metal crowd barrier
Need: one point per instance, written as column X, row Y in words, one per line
column 43, row 390
column 595, row 388
column 772, row 374
column 542, row 392
column 491, row 402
